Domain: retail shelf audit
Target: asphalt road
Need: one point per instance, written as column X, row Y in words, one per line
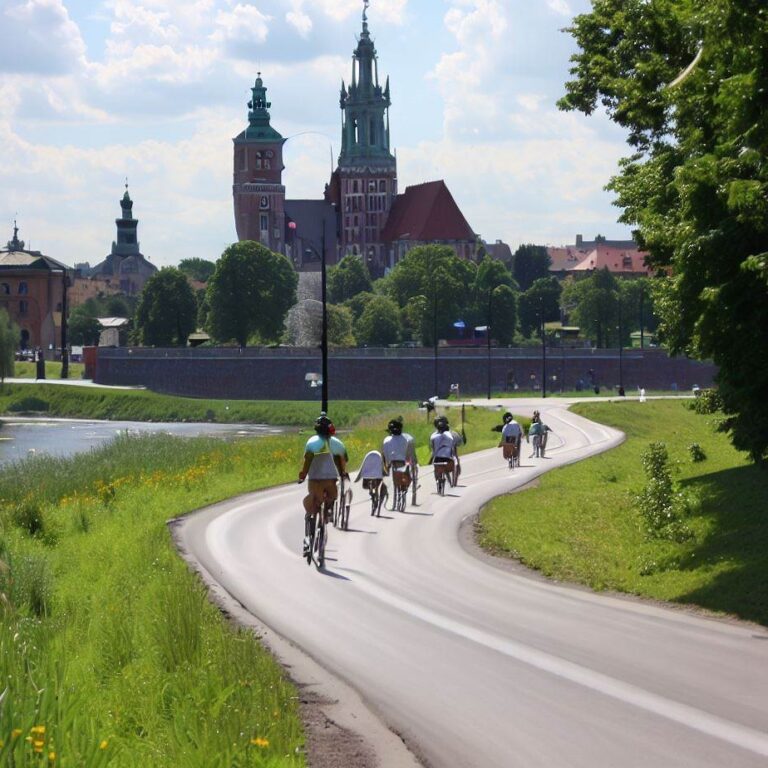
column 479, row 666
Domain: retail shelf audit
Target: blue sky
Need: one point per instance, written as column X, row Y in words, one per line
column 92, row 92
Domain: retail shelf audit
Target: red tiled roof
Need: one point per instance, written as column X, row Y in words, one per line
column 571, row 259
column 426, row 212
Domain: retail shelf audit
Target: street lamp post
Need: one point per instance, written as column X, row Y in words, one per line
column 488, row 334
column 324, row 331
column 64, row 348
column 621, row 353
column 543, row 354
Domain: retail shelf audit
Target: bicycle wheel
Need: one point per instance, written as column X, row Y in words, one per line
column 374, row 494
column 318, row 546
column 310, row 531
column 344, row 514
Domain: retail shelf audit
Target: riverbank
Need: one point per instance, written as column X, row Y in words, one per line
column 581, row 524
column 121, row 637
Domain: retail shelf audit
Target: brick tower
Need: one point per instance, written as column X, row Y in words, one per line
column 258, row 192
column 366, row 183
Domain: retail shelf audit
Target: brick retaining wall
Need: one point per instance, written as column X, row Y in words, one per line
column 388, row 374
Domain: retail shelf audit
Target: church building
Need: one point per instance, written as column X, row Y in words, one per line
column 362, row 212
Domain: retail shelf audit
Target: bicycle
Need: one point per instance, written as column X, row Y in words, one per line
column 341, row 507
column 511, row 453
column 414, row 484
column 315, row 528
column 443, row 472
column 401, row 479
column 378, row 494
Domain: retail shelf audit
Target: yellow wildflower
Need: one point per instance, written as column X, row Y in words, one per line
column 259, row 742
column 38, row 745
column 104, row 744
column 40, row 729
column 15, row 733
column 51, row 757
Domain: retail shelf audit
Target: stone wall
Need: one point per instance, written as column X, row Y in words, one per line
column 390, row 374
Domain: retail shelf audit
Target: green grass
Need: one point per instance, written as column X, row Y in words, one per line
column 107, row 640
column 27, row 370
column 580, row 524
column 143, row 405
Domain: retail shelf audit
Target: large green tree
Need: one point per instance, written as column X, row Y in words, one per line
column 250, row 293
column 83, row 328
column 379, row 325
column 348, row 278
column 9, row 341
column 167, row 310
column 531, row 263
column 198, row 269
column 688, row 80
column 539, row 304
column 434, row 279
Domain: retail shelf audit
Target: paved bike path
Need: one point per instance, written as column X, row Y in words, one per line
column 476, row 666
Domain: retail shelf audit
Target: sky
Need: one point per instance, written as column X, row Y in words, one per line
column 92, row 93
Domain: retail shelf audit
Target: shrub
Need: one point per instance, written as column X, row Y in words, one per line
column 660, row 504
column 697, row 452
column 28, row 515
column 31, row 585
column 708, row 401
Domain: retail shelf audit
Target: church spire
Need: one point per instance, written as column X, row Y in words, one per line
column 259, row 127
column 15, row 244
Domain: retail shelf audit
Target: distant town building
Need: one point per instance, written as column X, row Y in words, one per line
column 125, row 268
column 621, row 257
column 33, row 292
column 361, row 212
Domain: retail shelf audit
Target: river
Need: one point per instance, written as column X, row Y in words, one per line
column 22, row 437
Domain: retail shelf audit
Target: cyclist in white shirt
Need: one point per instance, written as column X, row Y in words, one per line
column 399, row 452
column 441, row 444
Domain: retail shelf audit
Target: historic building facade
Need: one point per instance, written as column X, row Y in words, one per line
column 33, row 290
column 362, row 212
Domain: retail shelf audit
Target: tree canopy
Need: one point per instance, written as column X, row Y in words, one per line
column 539, row 304
column 167, row 311
column 689, row 81
column 83, row 327
column 348, row 278
column 531, row 262
column 379, row 324
column 198, row 269
column 9, row 340
column 250, row 293
column 435, row 280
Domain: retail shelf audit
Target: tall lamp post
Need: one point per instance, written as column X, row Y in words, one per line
column 488, row 335
column 543, row 352
column 621, row 353
column 64, row 310
column 324, row 332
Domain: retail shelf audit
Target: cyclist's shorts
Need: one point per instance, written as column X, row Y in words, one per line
column 372, row 483
column 510, row 450
column 445, row 465
column 401, row 474
column 316, row 488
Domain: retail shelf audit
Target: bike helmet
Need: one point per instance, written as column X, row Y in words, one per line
column 395, row 427
column 441, row 424
column 507, row 417
column 324, row 426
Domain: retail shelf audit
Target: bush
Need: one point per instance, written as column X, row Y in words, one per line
column 697, row 452
column 660, row 504
column 708, row 401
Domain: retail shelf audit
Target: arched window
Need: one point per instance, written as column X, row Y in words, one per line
column 5, row 289
column 23, row 288
column 23, row 307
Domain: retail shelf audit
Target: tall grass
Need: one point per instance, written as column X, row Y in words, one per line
column 110, row 650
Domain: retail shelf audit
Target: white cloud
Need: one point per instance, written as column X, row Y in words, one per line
column 37, row 36
column 560, row 6
column 300, row 22
column 244, row 23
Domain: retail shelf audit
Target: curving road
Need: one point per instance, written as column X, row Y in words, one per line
column 479, row 666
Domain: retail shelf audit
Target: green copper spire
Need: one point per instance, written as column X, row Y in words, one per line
column 259, row 128
column 365, row 129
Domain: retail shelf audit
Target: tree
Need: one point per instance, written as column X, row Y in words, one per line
column 198, row 269
column 688, row 82
column 167, row 311
column 250, row 293
column 379, row 325
column 9, row 340
column 340, row 326
column 348, row 278
column 503, row 314
column 82, row 326
column 531, row 263
column 539, row 304
column 358, row 303
column 445, row 282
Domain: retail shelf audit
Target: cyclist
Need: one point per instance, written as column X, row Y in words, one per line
column 442, row 447
column 325, row 459
column 534, row 435
column 511, row 435
column 399, row 450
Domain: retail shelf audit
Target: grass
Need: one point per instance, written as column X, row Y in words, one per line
column 580, row 524
column 109, row 647
column 143, row 405
column 28, row 370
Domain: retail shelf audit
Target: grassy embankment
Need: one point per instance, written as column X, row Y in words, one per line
column 580, row 523
column 111, row 652
column 28, row 370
